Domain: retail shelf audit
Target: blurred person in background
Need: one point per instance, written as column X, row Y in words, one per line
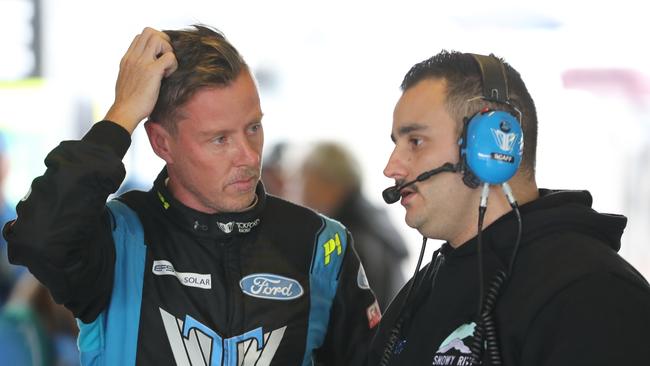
column 34, row 330
column 332, row 185
column 274, row 174
column 205, row 268
column 8, row 273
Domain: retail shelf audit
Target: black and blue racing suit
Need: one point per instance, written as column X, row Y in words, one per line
column 154, row 282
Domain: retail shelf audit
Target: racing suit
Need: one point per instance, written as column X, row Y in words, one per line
column 154, row 282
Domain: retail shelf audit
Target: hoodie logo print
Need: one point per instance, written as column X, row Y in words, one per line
column 454, row 350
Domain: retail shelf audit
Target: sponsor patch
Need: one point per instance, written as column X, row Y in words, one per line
column 163, row 267
column 332, row 246
column 374, row 314
column 226, row 227
column 270, row 286
column 242, row 227
column 195, row 344
column 362, row 280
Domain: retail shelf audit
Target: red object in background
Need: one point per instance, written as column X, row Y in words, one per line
column 628, row 83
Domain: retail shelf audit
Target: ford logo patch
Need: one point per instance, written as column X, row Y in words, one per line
column 270, row 286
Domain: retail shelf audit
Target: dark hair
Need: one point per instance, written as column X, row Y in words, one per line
column 205, row 59
column 463, row 83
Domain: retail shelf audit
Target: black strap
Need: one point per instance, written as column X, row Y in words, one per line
column 495, row 83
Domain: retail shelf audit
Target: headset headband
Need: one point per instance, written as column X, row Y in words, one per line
column 493, row 74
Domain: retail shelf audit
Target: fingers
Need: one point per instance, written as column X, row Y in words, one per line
column 157, row 43
column 168, row 62
column 140, row 41
column 150, row 57
column 158, row 46
column 148, row 48
column 150, row 43
column 163, row 47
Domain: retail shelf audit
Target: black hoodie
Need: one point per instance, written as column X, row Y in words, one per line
column 571, row 299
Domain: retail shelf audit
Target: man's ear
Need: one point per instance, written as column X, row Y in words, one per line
column 160, row 140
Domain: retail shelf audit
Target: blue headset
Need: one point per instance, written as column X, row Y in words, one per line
column 492, row 141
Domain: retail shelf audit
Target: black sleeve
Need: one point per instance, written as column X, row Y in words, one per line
column 62, row 232
column 599, row 320
column 354, row 318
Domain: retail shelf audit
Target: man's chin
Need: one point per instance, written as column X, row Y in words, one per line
column 411, row 221
column 243, row 203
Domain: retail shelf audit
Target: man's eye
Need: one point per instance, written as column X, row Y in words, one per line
column 219, row 140
column 255, row 128
column 415, row 141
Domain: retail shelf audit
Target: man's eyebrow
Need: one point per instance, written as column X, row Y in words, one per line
column 406, row 129
column 225, row 131
column 257, row 119
column 215, row 132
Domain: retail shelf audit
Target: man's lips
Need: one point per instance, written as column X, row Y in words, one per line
column 244, row 176
column 242, row 180
column 243, row 183
column 406, row 194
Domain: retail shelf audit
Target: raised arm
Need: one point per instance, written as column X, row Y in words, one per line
column 63, row 229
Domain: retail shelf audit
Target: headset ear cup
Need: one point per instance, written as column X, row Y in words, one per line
column 493, row 147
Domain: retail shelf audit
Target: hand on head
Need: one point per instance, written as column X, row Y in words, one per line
column 149, row 58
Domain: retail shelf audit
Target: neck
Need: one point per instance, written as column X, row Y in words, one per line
column 498, row 206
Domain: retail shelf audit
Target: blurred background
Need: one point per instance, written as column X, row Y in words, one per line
column 330, row 71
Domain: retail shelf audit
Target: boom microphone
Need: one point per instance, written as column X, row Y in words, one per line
column 392, row 194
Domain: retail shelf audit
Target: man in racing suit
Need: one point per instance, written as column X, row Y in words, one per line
column 205, row 268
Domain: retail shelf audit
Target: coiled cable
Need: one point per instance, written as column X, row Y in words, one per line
column 486, row 328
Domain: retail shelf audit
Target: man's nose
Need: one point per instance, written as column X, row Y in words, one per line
column 395, row 168
column 248, row 153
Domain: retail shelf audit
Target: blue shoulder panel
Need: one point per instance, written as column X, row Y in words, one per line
column 329, row 250
column 115, row 342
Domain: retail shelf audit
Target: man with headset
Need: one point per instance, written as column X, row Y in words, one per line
column 530, row 276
